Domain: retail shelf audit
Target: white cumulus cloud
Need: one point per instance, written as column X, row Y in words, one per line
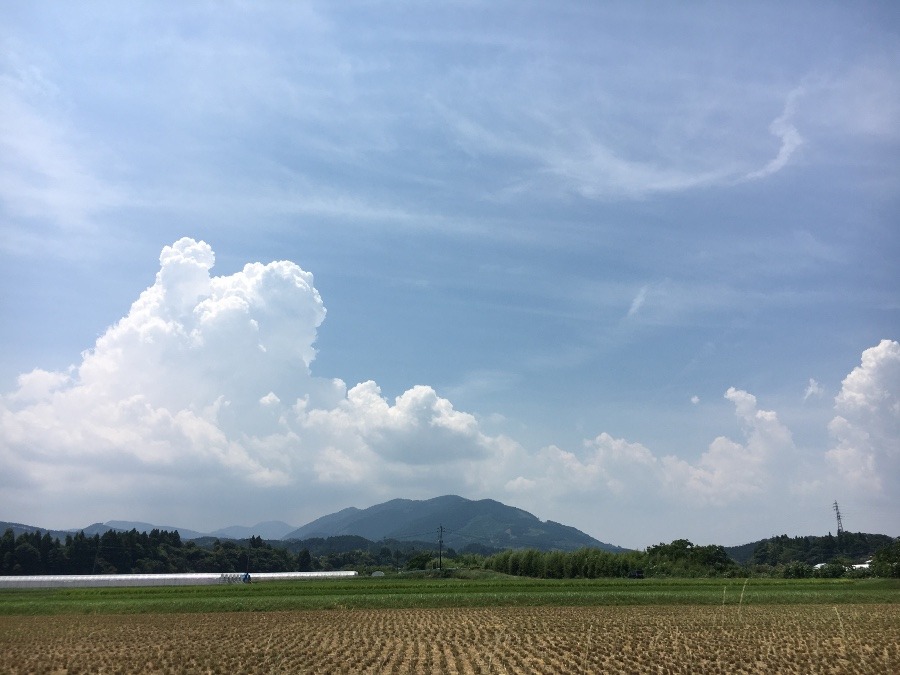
column 200, row 404
column 728, row 471
column 866, row 428
column 210, row 377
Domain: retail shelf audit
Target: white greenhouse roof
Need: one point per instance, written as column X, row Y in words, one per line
column 189, row 579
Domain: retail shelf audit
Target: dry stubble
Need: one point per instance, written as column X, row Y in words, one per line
column 550, row 640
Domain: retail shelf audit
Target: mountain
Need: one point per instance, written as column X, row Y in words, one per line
column 483, row 522
column 19, row 528
column 270, row 529
column 742, row 554
column 127, row 526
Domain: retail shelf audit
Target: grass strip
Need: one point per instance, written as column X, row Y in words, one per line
column 388, row 593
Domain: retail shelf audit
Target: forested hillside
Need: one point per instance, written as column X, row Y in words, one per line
column 160, row 551
column 856, row 547
column 465, row 522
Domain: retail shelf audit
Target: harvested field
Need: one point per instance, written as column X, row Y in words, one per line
column 635, row 639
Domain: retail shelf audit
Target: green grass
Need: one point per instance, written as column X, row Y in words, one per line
column 395, row 592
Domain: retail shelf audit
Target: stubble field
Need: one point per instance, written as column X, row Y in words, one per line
column 624, row 639
column 492, row 625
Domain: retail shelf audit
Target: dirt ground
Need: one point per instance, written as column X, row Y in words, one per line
column 550, row 640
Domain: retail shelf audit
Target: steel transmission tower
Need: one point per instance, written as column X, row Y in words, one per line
column 837, row 512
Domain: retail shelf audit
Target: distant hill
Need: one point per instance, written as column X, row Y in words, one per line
column 270, row 529
column 19, row 528
column 741, row 554
column 100, row 528
column 273, row 529
column 483, row 522
column 127, row 526
column 855, row 546
column 482, row 526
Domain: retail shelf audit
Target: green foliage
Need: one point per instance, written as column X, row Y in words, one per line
column 681, row 558
column 886, row 561
column 27, row 559
column 781, row 550
column 797, row 570
column 832, row 570
column 137, row 552
column 741, row 554
column 304, row 561
column 421, row 561
column 164, row 552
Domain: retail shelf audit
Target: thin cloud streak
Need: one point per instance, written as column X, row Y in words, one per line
column 783, row 128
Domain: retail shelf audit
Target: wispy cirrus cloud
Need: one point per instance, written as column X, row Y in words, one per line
column 813, row 390
column 783, row 128
column 49, row 171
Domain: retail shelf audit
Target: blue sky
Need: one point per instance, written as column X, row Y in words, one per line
column 629, row 267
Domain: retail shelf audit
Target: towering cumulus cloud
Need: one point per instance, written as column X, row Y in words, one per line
column 200, row 405
column 209, row 377
column 867, row 425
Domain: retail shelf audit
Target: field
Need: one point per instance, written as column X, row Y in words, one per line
column 454, row 626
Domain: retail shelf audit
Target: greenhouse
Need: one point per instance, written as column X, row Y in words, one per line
column 189, row 579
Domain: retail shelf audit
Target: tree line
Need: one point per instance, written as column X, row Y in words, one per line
column 159, row 551
column 783, row 550
column 681, row 558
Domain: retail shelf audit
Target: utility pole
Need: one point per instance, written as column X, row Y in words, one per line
column 440, row 547
column 837, row 512
column 247, row 573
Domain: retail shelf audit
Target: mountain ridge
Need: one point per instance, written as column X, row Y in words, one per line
column 771, row 550
column 457, row 521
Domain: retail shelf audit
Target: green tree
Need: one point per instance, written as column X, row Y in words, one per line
column 82, row 554
column 555, row 565
column 304, row 561
column 886, row 561
column 28, row 559
column 832, row 570
column 797, row 570
column 7, row 551
column 419, row 561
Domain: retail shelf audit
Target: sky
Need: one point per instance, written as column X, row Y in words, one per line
column 631, row 267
